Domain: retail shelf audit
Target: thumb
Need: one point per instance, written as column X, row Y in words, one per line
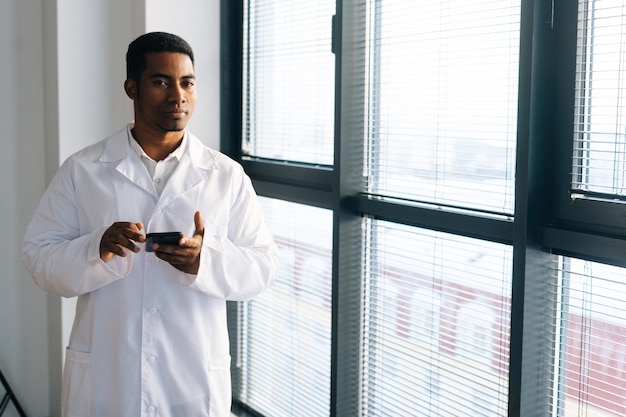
column 197, row 219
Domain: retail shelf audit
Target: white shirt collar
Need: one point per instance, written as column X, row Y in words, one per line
column 176, row 153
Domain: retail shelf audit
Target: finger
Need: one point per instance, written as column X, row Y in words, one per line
column 125, row 230
column 125, row 238
column 172, row 258
column 139, row 237
column 114, row 249
column 197, row 219
column 133, row 232
column 119, row 237
column 165, row 248
column 196, row 239
column 124, row 242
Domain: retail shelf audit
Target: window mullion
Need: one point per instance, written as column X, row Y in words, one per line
column 350, row 121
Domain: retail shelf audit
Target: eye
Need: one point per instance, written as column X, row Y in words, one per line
column 160, row 82
column 188, row 84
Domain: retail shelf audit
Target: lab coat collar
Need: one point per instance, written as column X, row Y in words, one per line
column 194, row 165
column 117, row 148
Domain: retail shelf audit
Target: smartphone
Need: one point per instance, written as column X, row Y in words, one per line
column 168, row 238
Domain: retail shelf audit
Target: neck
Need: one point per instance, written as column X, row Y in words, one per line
column 158, row 147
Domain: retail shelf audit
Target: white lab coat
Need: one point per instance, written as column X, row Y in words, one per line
column 148, row 339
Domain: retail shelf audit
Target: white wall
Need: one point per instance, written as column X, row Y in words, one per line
column 198, row 24
column 23, row 325
column 63, row 69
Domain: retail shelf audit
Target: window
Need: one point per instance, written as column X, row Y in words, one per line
column 284, row 339
column 435, row 324
column 445, row 181
column 599, row 164
column 591, row 353
column 591, row 134
column 588, row 358
column 443, row 101
column 289, row 75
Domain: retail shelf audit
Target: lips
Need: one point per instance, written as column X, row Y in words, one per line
column 176, row 113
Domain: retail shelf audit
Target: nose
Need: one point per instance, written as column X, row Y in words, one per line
column 177, row 94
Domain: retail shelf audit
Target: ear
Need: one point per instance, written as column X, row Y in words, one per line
column 130, row 86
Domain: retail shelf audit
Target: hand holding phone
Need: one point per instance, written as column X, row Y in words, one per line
column 167, row 238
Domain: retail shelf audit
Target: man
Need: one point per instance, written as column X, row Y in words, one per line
column 150, row 335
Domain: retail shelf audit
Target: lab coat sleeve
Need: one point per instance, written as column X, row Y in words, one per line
column 240, row 262
column 59, row 257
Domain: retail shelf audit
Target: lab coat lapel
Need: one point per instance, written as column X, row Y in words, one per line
column 184, row 177
column 130, row 165
column 193, row 168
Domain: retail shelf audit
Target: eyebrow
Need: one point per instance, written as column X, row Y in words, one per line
column 169, row 77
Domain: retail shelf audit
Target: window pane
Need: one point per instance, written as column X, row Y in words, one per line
column 284, row 335
column 599, row 163
column 288, row 80
column 591, row 356
column 436, row 324
column 443, row 101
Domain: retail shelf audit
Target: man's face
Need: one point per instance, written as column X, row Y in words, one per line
column 166, row 96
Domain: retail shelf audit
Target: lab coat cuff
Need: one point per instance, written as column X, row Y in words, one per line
column 94, row 246
column 119, row 265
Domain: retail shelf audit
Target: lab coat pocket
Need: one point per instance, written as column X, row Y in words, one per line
column 76, row 384
column 220, row 386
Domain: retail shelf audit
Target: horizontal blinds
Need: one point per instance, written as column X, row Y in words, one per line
column 599, row 160
column 590, row 359
column 289, row 72
column 435, row 324
column 443, row 101
column 284, row 335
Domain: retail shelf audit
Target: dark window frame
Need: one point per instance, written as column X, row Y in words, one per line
column 546, row 222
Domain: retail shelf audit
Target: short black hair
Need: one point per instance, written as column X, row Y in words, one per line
column 152, row 42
